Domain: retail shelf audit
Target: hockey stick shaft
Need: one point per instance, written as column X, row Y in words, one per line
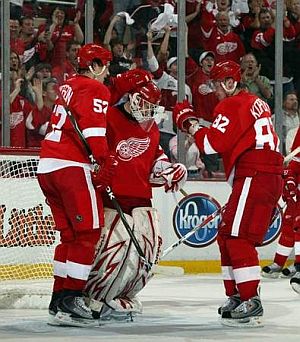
column 108, row 189
column 291, row 155
column 184, row 193
column 192, row 232
column 203, row 224
column 127, row 226
column 276, row 214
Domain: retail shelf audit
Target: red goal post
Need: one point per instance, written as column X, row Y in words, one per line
column 27, row 235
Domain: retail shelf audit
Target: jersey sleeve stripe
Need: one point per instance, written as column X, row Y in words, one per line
column 208, row 149
column 94, row 132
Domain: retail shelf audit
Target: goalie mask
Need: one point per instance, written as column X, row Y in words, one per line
column 144, row 105
column 228, row 74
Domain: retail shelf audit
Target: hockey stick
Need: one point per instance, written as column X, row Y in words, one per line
column 108, row 189
column 184, row 193
column 192, row 232
column 203, row 224
column 275, row 216
column 291, row 155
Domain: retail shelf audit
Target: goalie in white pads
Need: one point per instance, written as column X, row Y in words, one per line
column 118, row 273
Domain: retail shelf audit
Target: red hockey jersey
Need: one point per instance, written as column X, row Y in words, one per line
column 136, row 150
column 295, row 162
column 243, row 134
column 88, row 100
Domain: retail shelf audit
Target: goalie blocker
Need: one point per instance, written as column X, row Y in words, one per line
column 118, row 274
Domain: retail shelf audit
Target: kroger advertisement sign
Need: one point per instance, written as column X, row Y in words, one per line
column 195, row 208
column 191, row 212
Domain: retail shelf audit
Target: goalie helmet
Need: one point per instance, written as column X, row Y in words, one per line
column 144, row 103
column 228, row 74
column 89, row 52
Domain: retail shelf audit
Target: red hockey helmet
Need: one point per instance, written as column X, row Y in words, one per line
column 89, row 52
column 228, row 69
column 150, row 92
column 144, row 103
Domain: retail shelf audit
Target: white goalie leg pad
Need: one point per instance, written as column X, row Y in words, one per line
column 111, row 254
column 147, row 232
column 117, row 280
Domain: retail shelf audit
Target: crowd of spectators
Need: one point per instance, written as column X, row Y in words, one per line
column 143, row 33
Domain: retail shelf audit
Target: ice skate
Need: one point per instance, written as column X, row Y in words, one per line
column 231, row 303
column 295, row 282
column 109, row 315
column 73, row 311
column 52, row 309
column 121, row 310
column 248, row 314
column 271, row 271
column 288, row 272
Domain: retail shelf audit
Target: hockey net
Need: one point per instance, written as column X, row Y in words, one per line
column 27, row 235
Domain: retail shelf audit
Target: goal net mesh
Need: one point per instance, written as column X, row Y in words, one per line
column 27, row 235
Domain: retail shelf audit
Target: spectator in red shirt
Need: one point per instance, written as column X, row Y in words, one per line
column 58, row 32
column 220, row 39
column 35, row 51
column 69, row 67
column 16, row 43
column 203, row 94
column 20, row 108
column 204, row 102
column 263, row 42
column 45, row 95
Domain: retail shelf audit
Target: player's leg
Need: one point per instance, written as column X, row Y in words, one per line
column 284, row 248
column 82, row 206
column 63, row 225
column 295, row 280
column 231, row 290
column 246, row 220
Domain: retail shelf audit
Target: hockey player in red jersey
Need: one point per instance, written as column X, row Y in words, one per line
column 243, row 134
column 284, row 248
column 68, row 181
column 291, row 193
column 118, row 273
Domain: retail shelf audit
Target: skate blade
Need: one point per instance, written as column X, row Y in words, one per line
column 289, row 276
column 65, row 320
column 270, row 276
column 296, row 287
column 52, row 321
column 249, row 322
column 282, row 276
column 111, row 319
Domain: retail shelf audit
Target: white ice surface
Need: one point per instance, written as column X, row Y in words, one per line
column 175, row 309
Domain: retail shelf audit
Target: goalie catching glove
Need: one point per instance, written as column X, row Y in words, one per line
column 185, row 118
column 102, row 177
column 173, row 177
column 290, row 186
column 130, row 80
